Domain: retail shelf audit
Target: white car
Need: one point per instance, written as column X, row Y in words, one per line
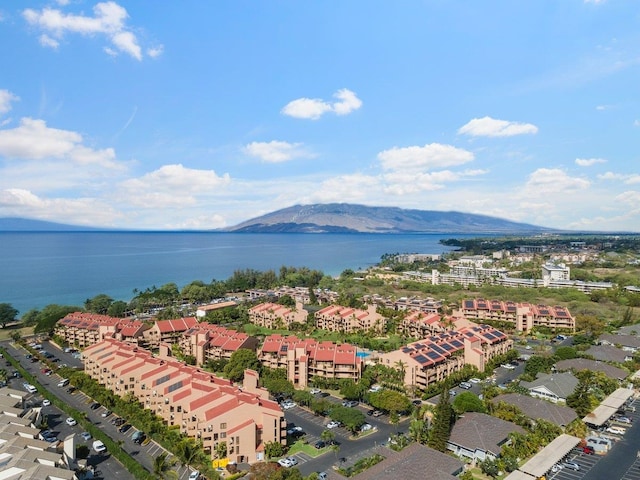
column 85, row 436
column 288, row 405
column 195, row 475
column 556, row 468
column 46, row 403
column 475, row 380
column 285, row 462
column 508, row 366
column 99, row 447
column 71, row 421
column 616, row 430
column 315, row 391
column 366, row 427
column 333, row 424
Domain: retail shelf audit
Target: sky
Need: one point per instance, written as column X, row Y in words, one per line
column 201, row 115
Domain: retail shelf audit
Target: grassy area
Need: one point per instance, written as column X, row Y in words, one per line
column 5, row 333
column 307, row 449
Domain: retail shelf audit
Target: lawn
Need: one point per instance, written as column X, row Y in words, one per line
column 5, row 333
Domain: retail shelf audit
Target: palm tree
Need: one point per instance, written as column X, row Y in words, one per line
column 163, row 467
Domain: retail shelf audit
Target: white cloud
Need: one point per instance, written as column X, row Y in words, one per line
column 79, row 211
column 588, row 162
column 491, row 127
column 172, row 186
column 595, row 2
column 629, row 179
column 553, row 180
column 6, row 99
column 346, row 188
column 109, row 19
column 428, row 157
column 155, row 52
column 602, row 108
column 314, row 108
column 33, row 140
column 275, row 151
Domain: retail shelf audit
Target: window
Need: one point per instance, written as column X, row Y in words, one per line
column 223, row 435
column 223, row 426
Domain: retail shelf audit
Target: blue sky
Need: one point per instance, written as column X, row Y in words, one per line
column 200, row 115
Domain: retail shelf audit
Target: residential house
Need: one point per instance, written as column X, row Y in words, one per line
column 276, row 316
column 336, row 318
column 412, row 462
column 478, row 436
column 609, row 353
column 200, row 404
column 580, row 364
column 555, row 387
column 536, row 408
column 306, row 358
column 628, row 343
column 435, row 357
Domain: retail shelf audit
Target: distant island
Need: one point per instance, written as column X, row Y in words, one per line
column 334, row 218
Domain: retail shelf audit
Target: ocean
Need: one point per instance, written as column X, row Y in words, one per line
column 67, row 268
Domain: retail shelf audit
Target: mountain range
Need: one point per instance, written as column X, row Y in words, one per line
column 336, row 218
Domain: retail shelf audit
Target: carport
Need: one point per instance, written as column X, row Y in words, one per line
column 609, row 406
column 541, row 463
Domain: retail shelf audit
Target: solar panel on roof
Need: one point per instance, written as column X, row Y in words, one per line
column 468, row 304
column 447, row 346
column 422, row 359
column 457, row 343
column 439, row 350
column 489, row 335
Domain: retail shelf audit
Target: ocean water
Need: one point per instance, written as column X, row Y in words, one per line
column 66, row 268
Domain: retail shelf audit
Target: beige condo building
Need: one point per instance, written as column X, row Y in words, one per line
column 274, row 316
column 202, row 405
column 336, row 318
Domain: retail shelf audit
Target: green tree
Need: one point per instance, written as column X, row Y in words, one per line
column 490, row 467
column 565, row 353
column 30, row 318
column 351, row 418
column 7, row 314
column 390, row 401
column 50, row 315
column 118, row 309
column 468, row 402
column 443, row 417
column 274, row 449
column 99, row 304
column 239, row 361
column 163, row 467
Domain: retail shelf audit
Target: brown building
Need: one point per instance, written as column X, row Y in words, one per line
column 336, row 318
column 275, row 316
column 304, row 359
column 84, row 329
column 207, row 341
column 202, row 405
column 525, row 316
column 434, row 358
column 168, row 331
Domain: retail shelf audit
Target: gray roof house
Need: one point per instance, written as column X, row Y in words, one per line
column 414, row 462
column 608, row 353
column 579, row 364
column 479, row 436
column 555, row 387
column 536, row 408
column 628, row 343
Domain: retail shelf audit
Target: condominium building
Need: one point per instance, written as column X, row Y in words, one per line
column 207, row 341
column 524, row 316
column 168, row 331
column 418, row 324
column 202, row 405
column 304, row 359
column 436, row 357
column 273, row 315
column 426, row 305
column 84, row 329
column 336, row 318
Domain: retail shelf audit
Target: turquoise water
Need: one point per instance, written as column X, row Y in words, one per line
column 38, row 269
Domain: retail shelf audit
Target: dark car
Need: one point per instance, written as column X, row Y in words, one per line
column 320, row 444
column 94, row 406
column 71, row 389
column 124, row 428
column 138, row 437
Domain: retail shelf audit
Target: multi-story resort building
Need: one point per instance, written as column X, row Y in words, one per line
column 336, row 318
column 202, row 405
column 274, row 316
column 426, row 305
column 207, row 341
column 434, row 358
column 420, row 325
column 168, row 331
column 524, row 316
column 299, row 294
column 84, row 329
column 304, row 359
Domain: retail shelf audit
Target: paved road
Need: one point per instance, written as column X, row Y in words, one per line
column 349, row 449
column 144, row 454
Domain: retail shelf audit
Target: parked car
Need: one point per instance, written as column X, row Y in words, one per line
column 322, row 475
column 349, row 403
column 571, row 465
column 138, row 437
column 99, row 447
column 377, row 413
column 622, row 419
column 556, row 468
column 366, row 427
column 71, row 421
column 508, row 366
column 195, row 475
column 288, row 404
column 465, row 385
column 588, row 449
column 333, row 424
column 94, row 406
column 475, row 380
column 616, row 430
column 46, row 402
column 315, row 391
column 319, row 444
column 124, row 428
column 294, row 430
column 106, row 413
column 85, row 436
column 288, row 462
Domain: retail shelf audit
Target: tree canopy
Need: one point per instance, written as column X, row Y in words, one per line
column 7, row 314
column 239, row 361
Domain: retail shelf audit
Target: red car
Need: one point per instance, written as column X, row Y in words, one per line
column 588, row 450
column 46, row 371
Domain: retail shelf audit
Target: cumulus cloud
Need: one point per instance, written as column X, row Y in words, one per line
column 6, row 99
column 628, row 179
column 491, row 127
column 79, row 211
column 172, row 185
column 588, row 162
column 34, row 140
column 346, row 188
column 554, row 180
column 275, row 151
column 428, row 157
column 155, row 52
column 313, row 108
column 109, row 19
